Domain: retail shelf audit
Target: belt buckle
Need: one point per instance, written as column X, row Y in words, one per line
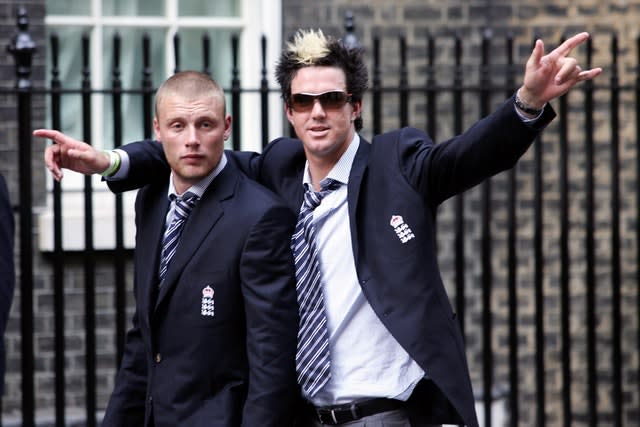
column 326, row 416
column 336, row 415
column 355, row 411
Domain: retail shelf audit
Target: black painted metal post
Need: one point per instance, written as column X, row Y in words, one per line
column 264, row 93
column 512, row 260
column 565, row 259
column 147, row 87
column 235, row 94
column 58, row 250
column 119, row 257
column 22, row 48
column 350, row 40
column 88, row 261
column 376, row 90
column 459, row 243
column 404, row 83
column 616, row 267
column 487, row 270
column 590, row 247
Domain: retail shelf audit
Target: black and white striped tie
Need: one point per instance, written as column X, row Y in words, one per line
column 312, row 358
column 171, row 238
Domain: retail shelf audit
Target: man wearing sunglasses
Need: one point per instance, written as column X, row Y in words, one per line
column 387, row 347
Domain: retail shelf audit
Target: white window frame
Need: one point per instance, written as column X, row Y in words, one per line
column 257, row 18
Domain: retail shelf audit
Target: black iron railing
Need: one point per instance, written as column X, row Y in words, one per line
column 438, row 101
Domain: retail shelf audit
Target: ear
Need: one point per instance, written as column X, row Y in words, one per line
column 357, row 110
column 156, row 128
column 289, row 112
column 227, row 127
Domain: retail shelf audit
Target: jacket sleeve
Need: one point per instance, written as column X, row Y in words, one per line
column 147, row 164
column 492, row 145
column 268, row 287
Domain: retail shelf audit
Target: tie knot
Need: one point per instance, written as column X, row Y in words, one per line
column 184, row 204
column 312, row 198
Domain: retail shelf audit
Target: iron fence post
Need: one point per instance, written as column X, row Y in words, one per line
column 22, row 48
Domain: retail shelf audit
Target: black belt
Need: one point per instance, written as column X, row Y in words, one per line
column 338, row 414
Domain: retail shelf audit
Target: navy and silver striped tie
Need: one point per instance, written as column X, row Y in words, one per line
column 312, row 358
column 171, row 238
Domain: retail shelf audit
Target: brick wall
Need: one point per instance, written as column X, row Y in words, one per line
column 415, row 20
column 8, row 129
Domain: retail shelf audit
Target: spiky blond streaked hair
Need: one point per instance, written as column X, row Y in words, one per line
column 308, row 46
column 311, row 48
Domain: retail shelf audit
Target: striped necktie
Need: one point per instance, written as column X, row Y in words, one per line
column 312, row 358
column 171, row 238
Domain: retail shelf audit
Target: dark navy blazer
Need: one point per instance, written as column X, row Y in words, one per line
column 215, row 346
column 402, row 173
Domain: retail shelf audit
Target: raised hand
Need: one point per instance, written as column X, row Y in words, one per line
column 70, row 153
column 552, row 75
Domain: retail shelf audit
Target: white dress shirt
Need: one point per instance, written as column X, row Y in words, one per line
column 366, row 361
column 198, row 189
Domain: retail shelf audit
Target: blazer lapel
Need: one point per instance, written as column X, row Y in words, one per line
column 149, row 241
column 206, row 213
column 353, row 190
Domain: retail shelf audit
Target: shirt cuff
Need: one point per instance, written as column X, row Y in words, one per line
column 523, row 117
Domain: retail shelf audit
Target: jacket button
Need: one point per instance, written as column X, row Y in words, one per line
column 158, row 358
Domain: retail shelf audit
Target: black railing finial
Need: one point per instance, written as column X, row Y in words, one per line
column 22, row 48
column 350, row 40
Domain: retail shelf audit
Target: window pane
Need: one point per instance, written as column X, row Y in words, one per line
column 192, row 58
column 209, row 8
column 131, row 74
column 70, row 76
column 133, row 8
column 68, row 7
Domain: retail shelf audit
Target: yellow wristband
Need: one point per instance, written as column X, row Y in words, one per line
column 114, row 163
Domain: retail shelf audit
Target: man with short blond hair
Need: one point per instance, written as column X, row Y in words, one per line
column 214, row 332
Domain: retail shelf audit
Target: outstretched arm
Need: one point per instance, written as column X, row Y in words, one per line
column 552, row 75
column 70, row 153
column 145, row 160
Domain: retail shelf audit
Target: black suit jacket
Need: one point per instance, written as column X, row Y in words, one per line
column 215, row 346
column 400, row 174
column 7, row 269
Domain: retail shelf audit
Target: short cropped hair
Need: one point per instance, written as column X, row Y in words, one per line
column 312, row 48
column 189, row 83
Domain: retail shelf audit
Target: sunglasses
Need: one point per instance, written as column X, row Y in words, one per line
column 332, row 100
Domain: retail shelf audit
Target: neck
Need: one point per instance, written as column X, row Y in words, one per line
column 318, row 172
column 320, row 166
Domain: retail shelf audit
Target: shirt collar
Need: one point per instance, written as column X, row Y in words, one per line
column 199, row 188
column 340, row 171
